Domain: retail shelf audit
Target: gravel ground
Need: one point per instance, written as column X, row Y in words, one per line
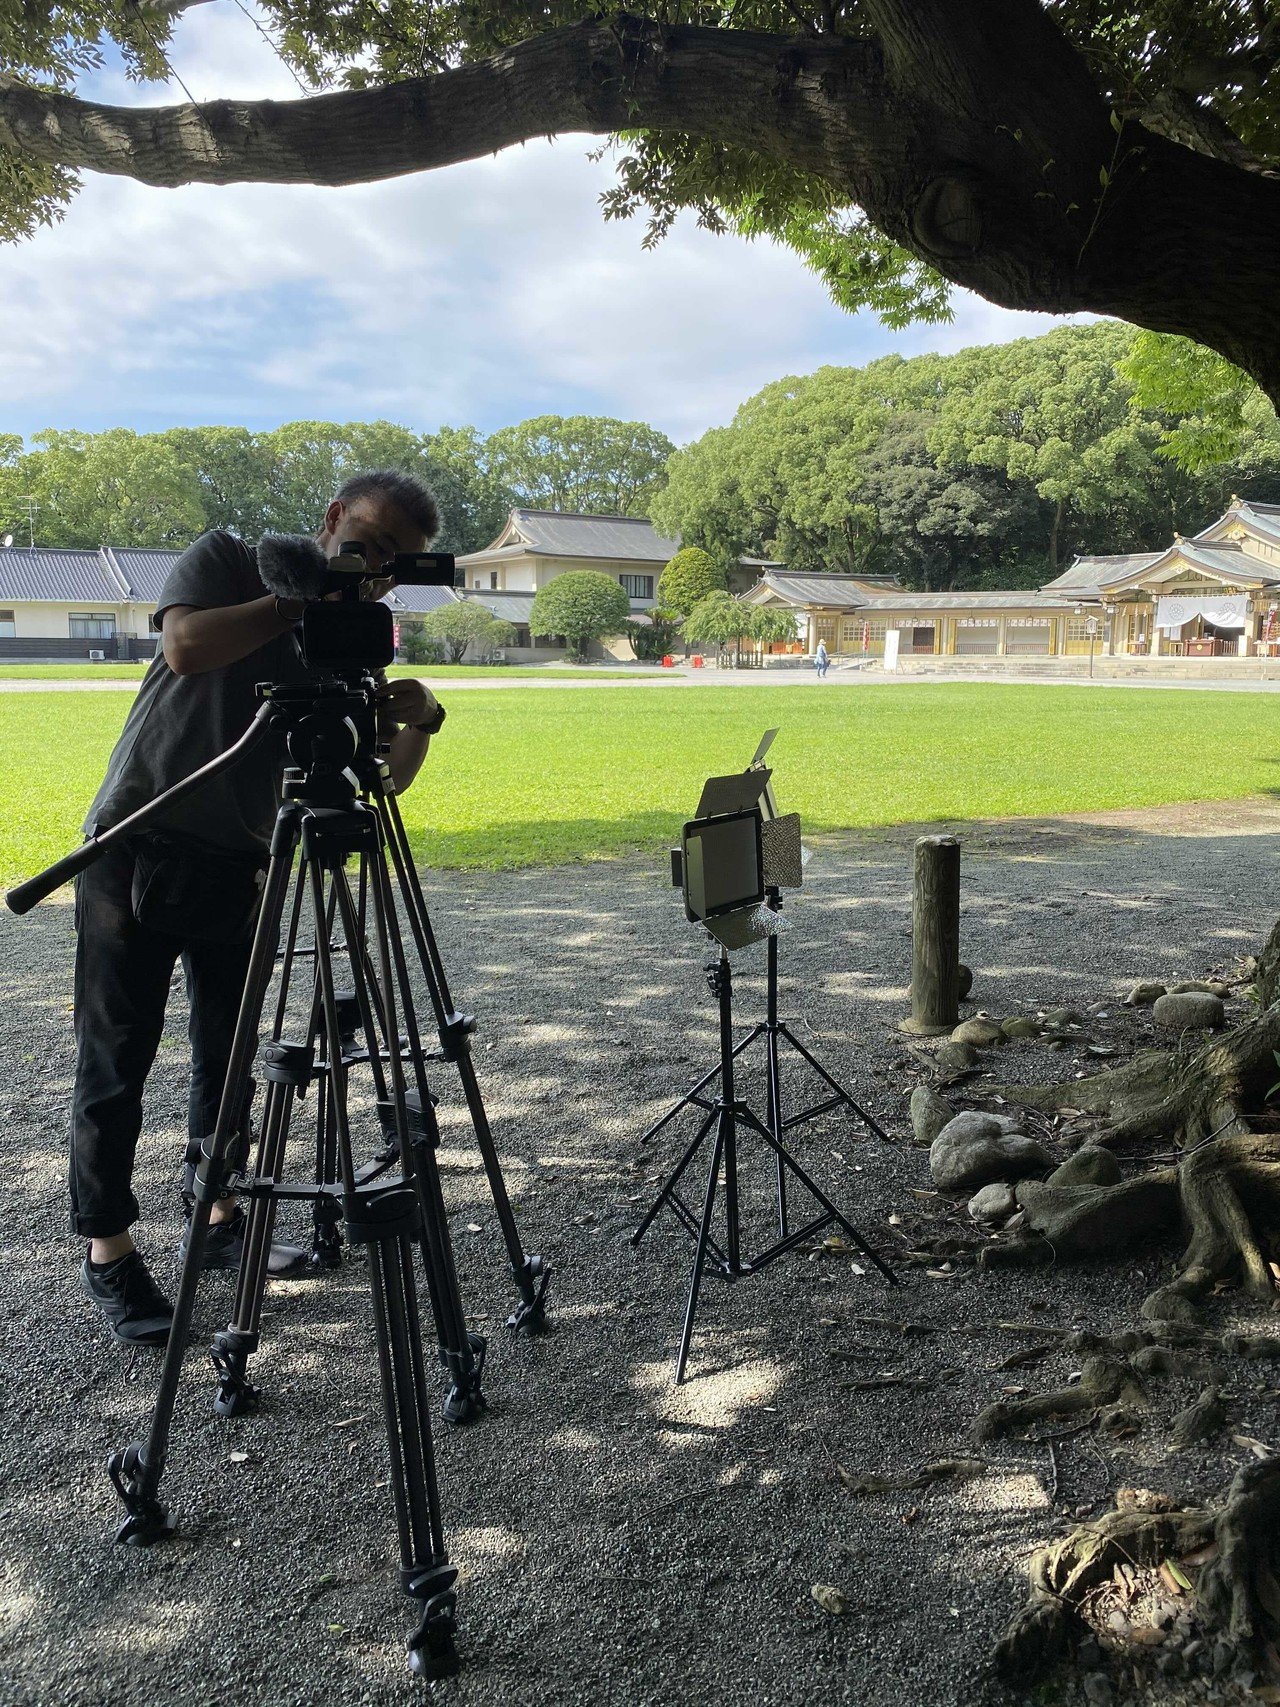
column 619, row 1540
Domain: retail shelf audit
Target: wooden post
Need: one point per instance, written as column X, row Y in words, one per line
column 935, row 937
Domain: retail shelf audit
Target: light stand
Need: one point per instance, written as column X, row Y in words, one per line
column 724, row 1115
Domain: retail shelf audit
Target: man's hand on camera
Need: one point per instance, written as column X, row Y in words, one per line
column 409, row 701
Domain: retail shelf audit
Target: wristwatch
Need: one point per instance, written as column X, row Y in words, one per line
column 432, row 726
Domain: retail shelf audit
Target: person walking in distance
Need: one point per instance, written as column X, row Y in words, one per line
column 821, row 661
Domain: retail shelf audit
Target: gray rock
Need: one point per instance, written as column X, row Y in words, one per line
column 993, row 1203
column 1142, row 995
column 1097, row 1688
column 1089, row 1166
column 1192, row 1010
column 1058, row 1019
column 981, row 1033
column 1021, row 1025
column 957, row 1057
column 975, row 1149
column 929, row 1114
column 966, row 981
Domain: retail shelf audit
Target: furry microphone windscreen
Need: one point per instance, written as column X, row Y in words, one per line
column 292, row 565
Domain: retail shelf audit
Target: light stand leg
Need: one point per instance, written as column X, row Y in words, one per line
column 700, row 1251
column 773, row 1076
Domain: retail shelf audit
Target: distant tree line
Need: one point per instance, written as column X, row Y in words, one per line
column 164, row 489
column 990, row 467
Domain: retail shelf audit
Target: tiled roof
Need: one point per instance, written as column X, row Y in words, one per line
column 56, row 576
column 834, row 591
column 420, row 599
column 1263, row 518
column 966, row 602
column 1088, row 574
column 549, row 533
column 1225, row 557
column 509, row 607
column 144, row 569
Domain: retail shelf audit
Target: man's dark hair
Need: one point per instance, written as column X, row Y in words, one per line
column 406, row 492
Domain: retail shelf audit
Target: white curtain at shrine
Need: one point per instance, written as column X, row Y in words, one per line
column 1223, row 610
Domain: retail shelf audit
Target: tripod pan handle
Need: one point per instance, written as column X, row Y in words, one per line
column 26, row 895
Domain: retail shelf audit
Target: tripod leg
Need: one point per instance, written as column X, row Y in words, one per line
column 812, row 1186
column 694, row 1092
column 385, row 1223
column 700, row 1252
column 462, row 1353
column 235, row 1344
column 136, row 1469
column 531, row 1272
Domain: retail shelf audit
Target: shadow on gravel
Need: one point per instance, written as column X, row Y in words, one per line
column 621, row 1540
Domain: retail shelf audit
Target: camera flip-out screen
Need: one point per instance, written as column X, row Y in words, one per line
column 722, row 866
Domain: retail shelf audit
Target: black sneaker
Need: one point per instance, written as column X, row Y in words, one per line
column 224, row 1246
column 136, row 1310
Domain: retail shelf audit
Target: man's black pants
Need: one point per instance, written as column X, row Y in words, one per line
column 123, row 972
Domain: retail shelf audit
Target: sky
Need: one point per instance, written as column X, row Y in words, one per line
column 480, row 294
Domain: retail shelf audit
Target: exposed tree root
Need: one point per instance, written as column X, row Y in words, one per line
column 1199, row 1421
column 1224, row 1195
column 1179, row 1096
column 1106, row 1384
column 1248, row 1553
column 1062, row 1574
column 1234, row 1592
column 1208, row 1192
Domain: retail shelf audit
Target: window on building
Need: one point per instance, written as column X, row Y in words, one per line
column 8, row 630
column 637, row 586
column 91, row 625
column 825, row 628
column 493, row 580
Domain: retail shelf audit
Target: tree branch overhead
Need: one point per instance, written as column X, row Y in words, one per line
column 974, row 137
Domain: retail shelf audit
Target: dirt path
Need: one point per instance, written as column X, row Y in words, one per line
column 620, row 1541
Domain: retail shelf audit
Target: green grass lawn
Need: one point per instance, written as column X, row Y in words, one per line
column 520, row 778
column 473, row 672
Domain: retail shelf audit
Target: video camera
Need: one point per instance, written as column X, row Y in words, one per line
column 351, row 633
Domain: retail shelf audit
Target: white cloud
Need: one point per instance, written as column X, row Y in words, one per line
column 484, row 293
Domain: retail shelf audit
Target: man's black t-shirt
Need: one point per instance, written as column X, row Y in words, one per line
column 178, row 723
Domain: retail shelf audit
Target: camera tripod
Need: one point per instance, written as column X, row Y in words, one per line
column 389, row 1204
column 725, row 1114
column 454, row 1030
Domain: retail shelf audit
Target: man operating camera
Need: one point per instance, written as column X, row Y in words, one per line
column 188, row 888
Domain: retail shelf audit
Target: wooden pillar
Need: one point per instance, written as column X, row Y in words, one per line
column 935, row 937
